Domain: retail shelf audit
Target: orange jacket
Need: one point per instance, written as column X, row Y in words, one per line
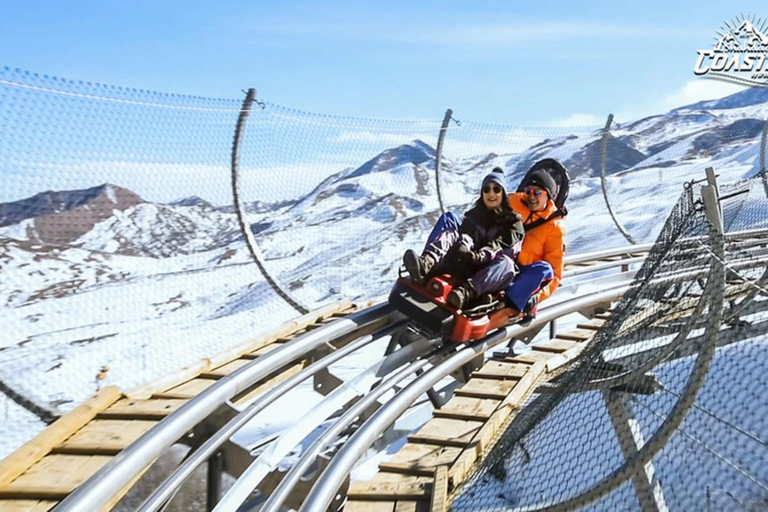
column 543, row 243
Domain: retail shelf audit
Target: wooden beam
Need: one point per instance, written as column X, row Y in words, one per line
column 439, row 502
column 35, row 449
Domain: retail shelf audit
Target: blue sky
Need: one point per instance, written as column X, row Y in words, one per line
column 541, row 63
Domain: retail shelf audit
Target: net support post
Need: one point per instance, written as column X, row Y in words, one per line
column 629, row 435
column 712, row 180
column 439, row 156
column 240, row 210
column 712, row 207
column 763, row 143
column 603, row 182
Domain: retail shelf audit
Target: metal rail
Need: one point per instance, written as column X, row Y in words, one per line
column 358, row 386
column 289, row 481
column 96, row 492
column 111, row 479
column 115, row 475
column 169, row 487
column 325, row 488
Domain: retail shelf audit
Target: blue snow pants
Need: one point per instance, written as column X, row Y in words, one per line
column 527, row 282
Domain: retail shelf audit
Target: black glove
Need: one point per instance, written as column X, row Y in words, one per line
column 531, row 304
column 507, row 217
column 466, row 256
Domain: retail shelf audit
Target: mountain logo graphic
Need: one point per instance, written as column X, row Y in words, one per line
column 740, row 53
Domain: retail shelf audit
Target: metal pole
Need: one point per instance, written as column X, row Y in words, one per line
column 603, row 155
column 439, row 156
column 630, row 437
column 215, row 472
column 712, row 180
column 763, row 143
column 712, row 207
column 245, row 228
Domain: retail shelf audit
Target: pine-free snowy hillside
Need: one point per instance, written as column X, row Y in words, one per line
column 107, row 276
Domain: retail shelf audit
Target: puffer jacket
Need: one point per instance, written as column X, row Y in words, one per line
column 542, row 243
column 492, row 233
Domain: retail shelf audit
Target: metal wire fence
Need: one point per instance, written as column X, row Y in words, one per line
column 666, row 409
column 121, row 255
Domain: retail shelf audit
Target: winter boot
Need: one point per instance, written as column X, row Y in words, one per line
column 418, row 266
column 462, row 295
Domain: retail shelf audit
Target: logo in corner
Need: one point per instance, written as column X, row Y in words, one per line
column 740, row 53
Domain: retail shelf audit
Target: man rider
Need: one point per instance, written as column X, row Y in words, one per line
column 541, row 258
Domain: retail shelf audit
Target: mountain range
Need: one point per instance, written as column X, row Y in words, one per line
column 100, row 270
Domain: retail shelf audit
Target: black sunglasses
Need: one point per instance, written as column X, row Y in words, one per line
column 496, row 189
column 535, row 191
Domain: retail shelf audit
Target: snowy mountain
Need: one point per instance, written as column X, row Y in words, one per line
column 746, row 98
column 416, row 153
column 86, row 275
column 192, row 201
column 60, row 217
column 161, row 231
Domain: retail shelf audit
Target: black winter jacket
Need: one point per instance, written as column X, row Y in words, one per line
column 492, row 231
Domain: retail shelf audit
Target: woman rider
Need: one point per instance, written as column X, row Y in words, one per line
column 481, row 250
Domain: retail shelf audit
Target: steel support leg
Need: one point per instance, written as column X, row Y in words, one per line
column 648, row 490
column 215, row 473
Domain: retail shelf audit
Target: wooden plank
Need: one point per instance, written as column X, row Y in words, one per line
column 526, row 386
column 264, row 350
column 446, row 432
column 369, row 506
column 128, row 409
column 594, row 324
column 439, row 502
column 54, row 477
column 555, row 345
column 566, row 357
column 500, row 370
column 411, row 506
column 420, row 459
column 530, row 357
column 225, row 369
column 389, row 490
column 105, row 437
column 155, row 387
column 577, row 335
column 193, row 370
column 463, row 465
column 27, row 505
column 467, row 408
column 486, row 388
column 36, row 448
column 189, row 389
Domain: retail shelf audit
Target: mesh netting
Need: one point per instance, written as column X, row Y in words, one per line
column 120, row 247
column 666, row 408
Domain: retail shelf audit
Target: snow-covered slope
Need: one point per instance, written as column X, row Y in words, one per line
column 137, row 279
